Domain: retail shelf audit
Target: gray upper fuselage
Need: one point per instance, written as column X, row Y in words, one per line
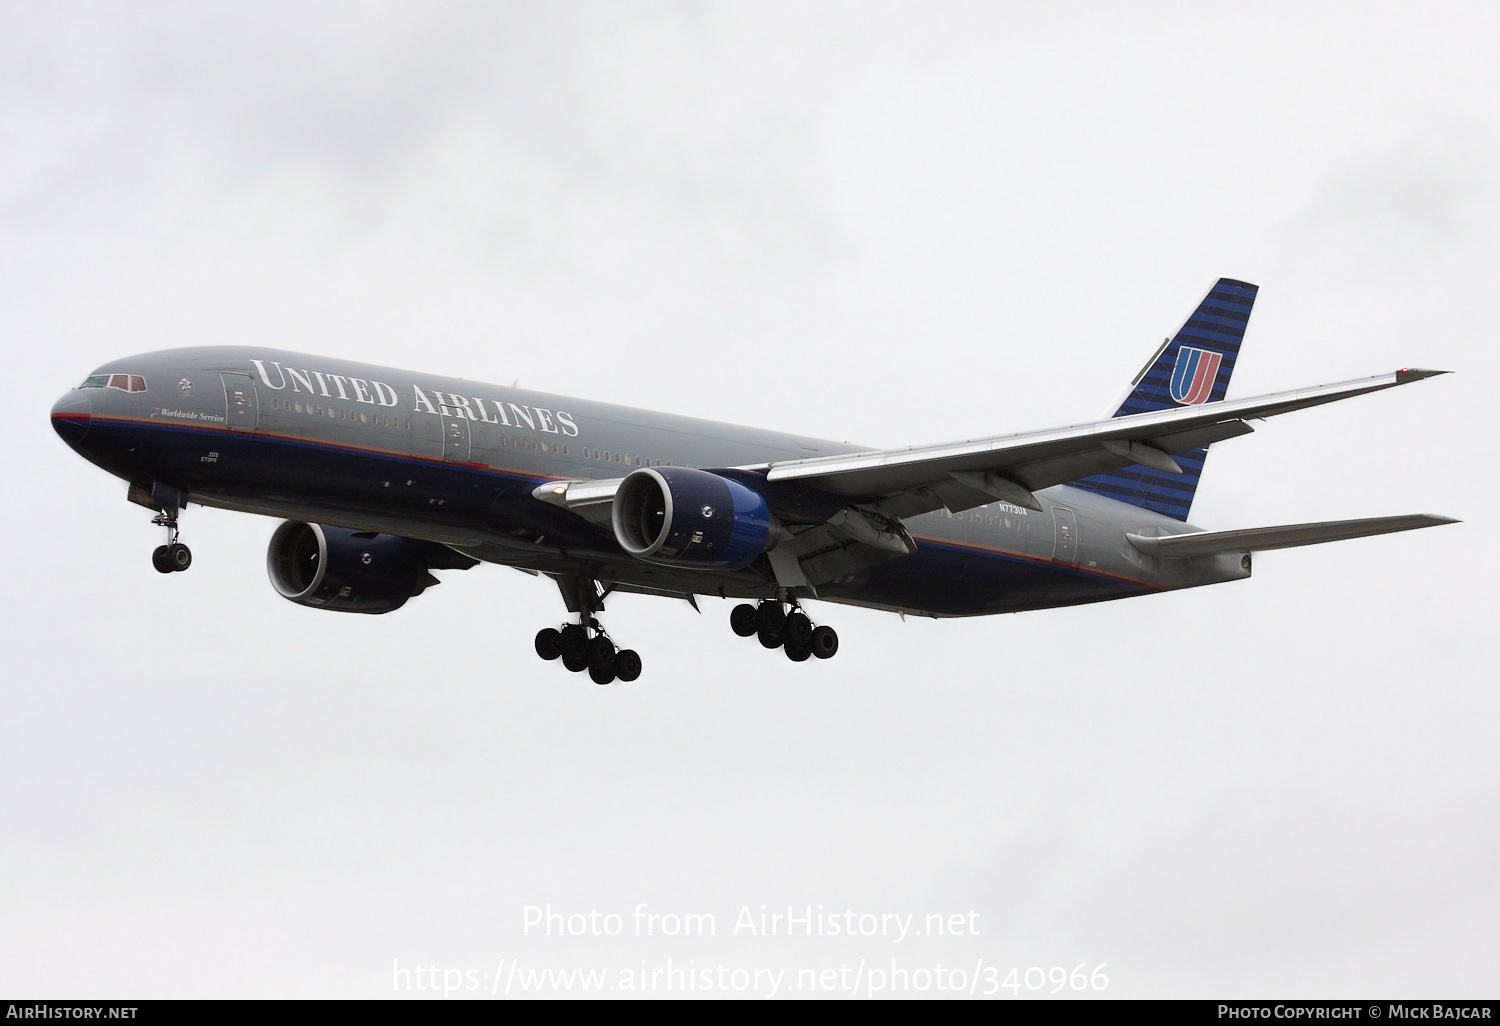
column 300, row 412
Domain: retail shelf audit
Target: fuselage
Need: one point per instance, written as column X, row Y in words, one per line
column 455, row 461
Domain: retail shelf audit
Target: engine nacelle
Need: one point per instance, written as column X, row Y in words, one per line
column 686, row 517
column 348, row 571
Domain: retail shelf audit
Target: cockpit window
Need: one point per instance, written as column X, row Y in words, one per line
column 124, row 382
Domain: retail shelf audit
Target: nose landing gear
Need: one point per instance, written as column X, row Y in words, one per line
column 173, row 556
column 792, row 632
column 597, row 653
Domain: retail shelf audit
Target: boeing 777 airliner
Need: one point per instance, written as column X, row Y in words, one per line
column 385, row 475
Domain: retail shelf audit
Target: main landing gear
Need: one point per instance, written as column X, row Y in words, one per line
column 597, row 653
column 174, row 555
column 792, row 632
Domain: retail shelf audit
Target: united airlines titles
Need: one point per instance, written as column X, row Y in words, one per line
column 431, row 401
column 449, row 404
column 371, row 392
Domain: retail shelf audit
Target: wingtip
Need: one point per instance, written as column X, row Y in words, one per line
column 1406, row 374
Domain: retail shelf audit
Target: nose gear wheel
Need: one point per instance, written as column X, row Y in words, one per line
column 174, row 556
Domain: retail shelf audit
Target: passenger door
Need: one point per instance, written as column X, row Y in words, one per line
column 1066, row 548
column 241, row 403
column 455, row 438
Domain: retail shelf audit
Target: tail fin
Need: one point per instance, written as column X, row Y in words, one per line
column 1190, row 368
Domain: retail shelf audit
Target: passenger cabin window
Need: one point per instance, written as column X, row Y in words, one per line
column 124, row 382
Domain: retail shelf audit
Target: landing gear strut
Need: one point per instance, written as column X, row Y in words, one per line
column 586, row 646
column 792, row 632
column 174, row 555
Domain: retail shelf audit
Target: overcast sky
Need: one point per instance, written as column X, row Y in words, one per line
column 887, row 223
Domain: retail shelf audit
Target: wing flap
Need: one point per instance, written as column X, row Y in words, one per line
column 1286, row 536
column 849, row 541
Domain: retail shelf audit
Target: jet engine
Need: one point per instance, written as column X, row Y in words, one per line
column 348, row 571
column 685, row 517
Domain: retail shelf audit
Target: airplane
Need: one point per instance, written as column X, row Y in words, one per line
column 383, row 476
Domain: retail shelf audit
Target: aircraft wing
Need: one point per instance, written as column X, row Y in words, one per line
column 961, row 475
column 592, row 498
column 883, row 488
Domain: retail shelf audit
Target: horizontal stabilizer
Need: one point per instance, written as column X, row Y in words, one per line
column 1287, row 536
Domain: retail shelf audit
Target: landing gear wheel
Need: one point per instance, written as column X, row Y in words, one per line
column 601, row 651
column 797, row 653
column 549, row 643
column 798, row 630
column 742, row 620
column 769, row 617
column 585, row 645
column 825, row 642
column 769, row 639
column 179, row 556
column 573, row 641
column 627, row 665
column 174, row 555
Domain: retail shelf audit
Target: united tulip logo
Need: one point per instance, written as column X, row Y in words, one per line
column 1193, row 376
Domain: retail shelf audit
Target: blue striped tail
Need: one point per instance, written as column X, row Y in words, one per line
column 1182, row 373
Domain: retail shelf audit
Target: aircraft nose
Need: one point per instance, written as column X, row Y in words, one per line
column 71, row 416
